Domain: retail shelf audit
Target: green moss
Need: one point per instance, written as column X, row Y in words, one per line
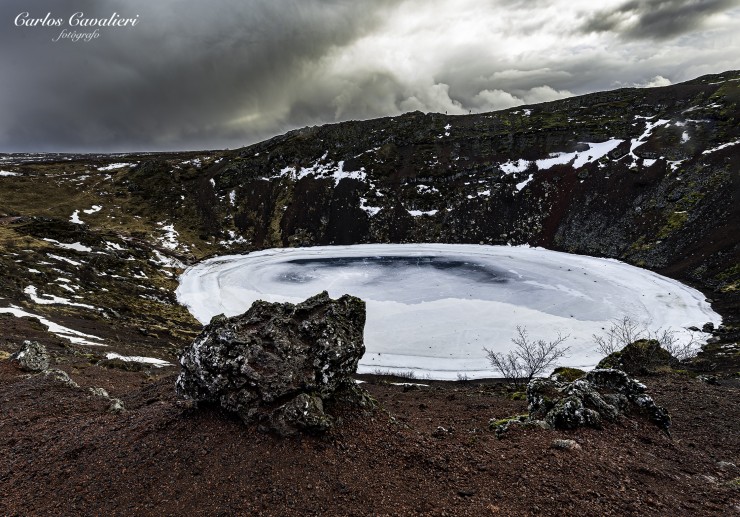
column 568, row 374
column 493, row 424
column 644, row 356
column 518, row 395
column 674, row 221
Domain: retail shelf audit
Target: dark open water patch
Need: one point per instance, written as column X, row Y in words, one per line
column 392, row 265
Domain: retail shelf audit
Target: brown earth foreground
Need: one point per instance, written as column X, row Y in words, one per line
column 426, row 450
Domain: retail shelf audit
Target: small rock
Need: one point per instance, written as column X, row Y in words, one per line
column 570, row 445
column 116, row 406
column 440, row 432
column 99, row 392
column 726, row 465
column 709, row 379
column 32, row 357
column 708, row 327
column 61, row 376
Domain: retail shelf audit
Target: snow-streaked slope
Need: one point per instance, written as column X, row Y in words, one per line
column 433, row 307
column 74, row 336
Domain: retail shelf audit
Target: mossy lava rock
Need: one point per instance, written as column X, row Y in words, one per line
column 279, row 364
column 644, row 356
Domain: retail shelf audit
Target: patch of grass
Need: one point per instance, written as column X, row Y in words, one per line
column 674, row 221
column 518, row 395
column 493, row 424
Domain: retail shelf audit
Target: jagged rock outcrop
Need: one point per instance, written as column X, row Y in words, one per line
column 642, row 357
column 602, row 395
column 32, row 357
column 278, row 364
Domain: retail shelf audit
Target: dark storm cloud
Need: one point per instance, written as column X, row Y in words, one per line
column 225, row 73
column 651, row 19
column 183, row 77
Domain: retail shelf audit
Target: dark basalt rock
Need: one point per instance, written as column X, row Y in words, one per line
column 642, row 357
column 279, row 364
column 602, row 395
column 32, row 357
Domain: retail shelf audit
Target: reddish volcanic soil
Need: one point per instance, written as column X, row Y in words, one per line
column 64, row 454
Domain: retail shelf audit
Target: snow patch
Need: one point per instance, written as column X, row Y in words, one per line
column 159, row 363
column 325, row 170
column 50, row 299
column 113, row 246
column 595, row 152
column 419, row 213
column 370, row 210
column 164, row 261
column 426, row 189
column 94, row 209
column 8, row 173
column 520, row 186
column 74, row 336
column 512, row 167
column 114, row 166
column 64, row 259
column 77, row 246
column 169, row 239
column 75, row 217
column 719, row 148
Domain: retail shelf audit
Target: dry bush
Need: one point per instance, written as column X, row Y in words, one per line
column 528, row 359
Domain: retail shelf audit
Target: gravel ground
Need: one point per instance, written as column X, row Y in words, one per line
column 426, row 450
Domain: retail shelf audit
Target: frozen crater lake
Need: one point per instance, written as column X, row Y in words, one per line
column 431, row 308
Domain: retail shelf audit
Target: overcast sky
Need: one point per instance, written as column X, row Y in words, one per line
column 196, row 74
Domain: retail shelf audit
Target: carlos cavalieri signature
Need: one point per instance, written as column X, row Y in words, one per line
column 88, row 26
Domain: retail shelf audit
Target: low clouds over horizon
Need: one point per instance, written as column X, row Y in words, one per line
column 227, row 73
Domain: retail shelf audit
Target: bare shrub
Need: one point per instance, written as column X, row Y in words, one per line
column 669, row 342
column 528, row 359
column 619, row 335
column 626, row 331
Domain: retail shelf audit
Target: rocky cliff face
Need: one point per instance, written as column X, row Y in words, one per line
column 649, row 176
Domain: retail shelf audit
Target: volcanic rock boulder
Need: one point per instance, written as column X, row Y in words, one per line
column 602, row 395
column 279, row 364
column 644, row 356
column 32, row 357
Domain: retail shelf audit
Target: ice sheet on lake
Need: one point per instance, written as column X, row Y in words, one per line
column 431, row 308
